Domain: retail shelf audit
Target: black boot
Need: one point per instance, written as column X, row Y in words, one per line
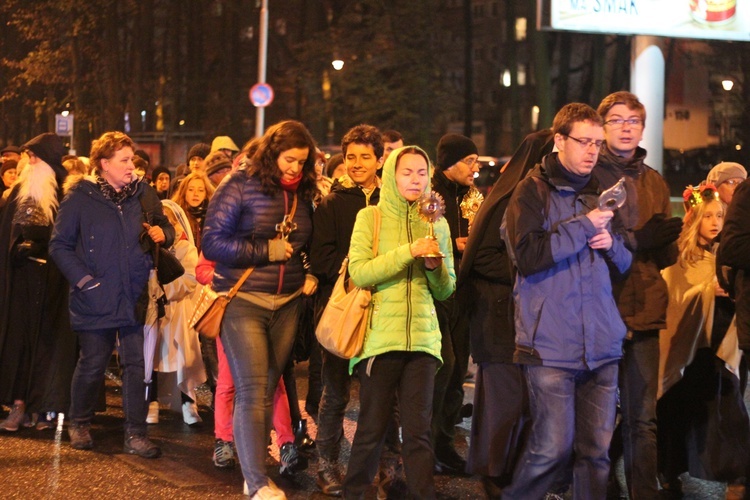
column 303, row 440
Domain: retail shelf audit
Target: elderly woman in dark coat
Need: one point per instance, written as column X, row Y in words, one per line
column 101, row 242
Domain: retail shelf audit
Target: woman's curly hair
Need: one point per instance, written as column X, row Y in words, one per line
column 283, row 136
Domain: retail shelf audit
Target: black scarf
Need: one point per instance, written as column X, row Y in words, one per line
column 199, row 212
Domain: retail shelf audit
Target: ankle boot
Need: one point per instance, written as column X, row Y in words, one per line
column 16, row 418
column 302, row 439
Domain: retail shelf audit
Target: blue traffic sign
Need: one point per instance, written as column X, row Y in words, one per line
column 261, row 95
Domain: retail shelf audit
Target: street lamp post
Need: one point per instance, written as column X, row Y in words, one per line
column 727, row 85
column 338, row 65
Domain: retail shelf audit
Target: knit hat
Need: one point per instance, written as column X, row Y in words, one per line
column 217, row 161
column 200, row 150
column 144, row 155
column 8, row 165
column 224, row 142
column 724, row 171
column 11, row 149
column 158, row 171
column 454, row 147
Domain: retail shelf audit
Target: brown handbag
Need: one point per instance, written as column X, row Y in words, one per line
column 343, row 324
column 210, row 306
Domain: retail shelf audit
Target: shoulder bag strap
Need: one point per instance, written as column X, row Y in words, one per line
column 376, row 232
column 236, row 287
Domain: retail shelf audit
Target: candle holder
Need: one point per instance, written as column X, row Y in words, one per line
column 470, row 204
column 431, row 210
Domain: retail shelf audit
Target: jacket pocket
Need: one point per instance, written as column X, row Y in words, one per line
column 93, row 300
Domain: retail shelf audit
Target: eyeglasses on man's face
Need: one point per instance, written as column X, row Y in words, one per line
column 733, row 182
column 586, row 142
column 469, row 161
column 619, row 122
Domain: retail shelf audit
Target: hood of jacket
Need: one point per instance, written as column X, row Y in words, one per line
column 391, row 201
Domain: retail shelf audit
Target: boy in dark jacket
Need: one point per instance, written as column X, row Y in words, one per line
column 333, row 221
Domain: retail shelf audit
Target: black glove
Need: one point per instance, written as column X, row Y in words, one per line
column 26, row 249
column 658, row 232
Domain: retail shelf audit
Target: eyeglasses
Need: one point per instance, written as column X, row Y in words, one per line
column 469, row 161
column 586, row 142
column 619, row 122
column 733, row 182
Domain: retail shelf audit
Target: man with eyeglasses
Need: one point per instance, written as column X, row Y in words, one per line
column 726, row 176
column 650, row 234
column 455, row 166
column 568, row 330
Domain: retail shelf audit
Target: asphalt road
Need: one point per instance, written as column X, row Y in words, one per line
column 41, row 464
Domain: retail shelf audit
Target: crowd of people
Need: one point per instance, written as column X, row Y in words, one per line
column 580, row 312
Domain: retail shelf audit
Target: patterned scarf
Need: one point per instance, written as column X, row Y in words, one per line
column 116, row 197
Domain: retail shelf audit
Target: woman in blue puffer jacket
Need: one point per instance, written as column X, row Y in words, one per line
column 261, row 217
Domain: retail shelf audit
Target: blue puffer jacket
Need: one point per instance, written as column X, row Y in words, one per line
column 95, row 237
column 565, row 315
column 240, row 221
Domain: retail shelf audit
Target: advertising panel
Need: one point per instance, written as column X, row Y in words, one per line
column 705, row 19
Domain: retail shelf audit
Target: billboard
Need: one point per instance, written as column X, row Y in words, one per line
column 706, row 19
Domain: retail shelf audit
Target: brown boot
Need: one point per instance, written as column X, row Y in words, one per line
column 16, row 418
column 80, row 435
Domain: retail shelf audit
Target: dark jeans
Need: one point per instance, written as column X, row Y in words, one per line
column 257, row 342
column 449, row 392
column 571, row 411
column 96, row 348
column 336, row 394
column 639, row 379
column 336, row 387
column 411, row 375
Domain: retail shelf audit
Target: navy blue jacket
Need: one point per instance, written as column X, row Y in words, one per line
column 95, row 237
column 240, row 221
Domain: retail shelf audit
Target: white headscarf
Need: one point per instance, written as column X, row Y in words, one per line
column 181, row 217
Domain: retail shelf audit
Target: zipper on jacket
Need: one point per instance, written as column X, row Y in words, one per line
column 408, row 288
column 281, row 266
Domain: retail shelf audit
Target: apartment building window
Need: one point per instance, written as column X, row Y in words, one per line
column 521, row 78
column 505, row 78
column 520, row 29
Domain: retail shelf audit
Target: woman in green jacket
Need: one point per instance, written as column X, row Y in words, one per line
column 401, row 352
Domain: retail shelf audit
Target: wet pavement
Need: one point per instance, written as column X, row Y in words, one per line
column 41, row 464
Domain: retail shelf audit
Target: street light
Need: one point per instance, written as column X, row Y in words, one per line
column 337, row 64
column 727, row 85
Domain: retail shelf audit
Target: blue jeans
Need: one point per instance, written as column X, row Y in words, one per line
column 257, row 342
column 96, row 348
column 571, row 411
column 639, row 379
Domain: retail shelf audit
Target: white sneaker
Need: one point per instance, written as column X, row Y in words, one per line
column 190, row 414
column 270, row 492
column 153, row 413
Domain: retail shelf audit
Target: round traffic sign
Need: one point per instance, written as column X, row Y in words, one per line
column 261, row 95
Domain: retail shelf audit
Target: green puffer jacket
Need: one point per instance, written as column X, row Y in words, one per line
column 403, row 313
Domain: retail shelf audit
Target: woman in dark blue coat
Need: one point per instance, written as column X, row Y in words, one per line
column 261, row 217
column 101, row 242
